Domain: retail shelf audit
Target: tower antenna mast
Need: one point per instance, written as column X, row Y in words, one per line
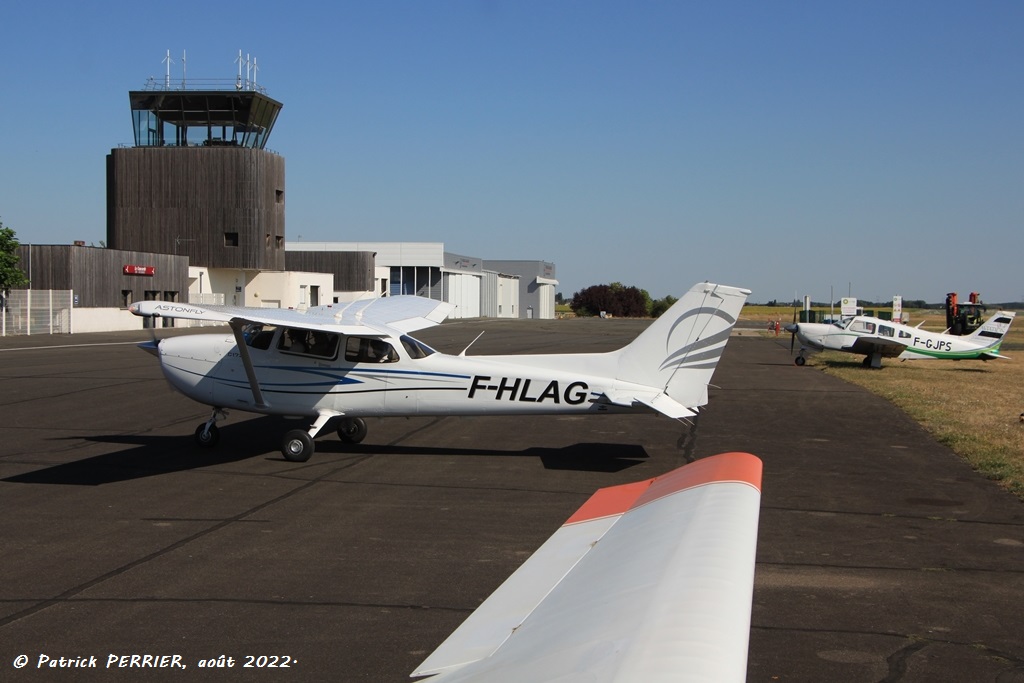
column 167, row 75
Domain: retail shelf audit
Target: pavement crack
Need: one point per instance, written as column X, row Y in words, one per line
column 897, row 661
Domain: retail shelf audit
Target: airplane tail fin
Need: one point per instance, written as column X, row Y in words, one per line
column 994, row 329
column 678, row 353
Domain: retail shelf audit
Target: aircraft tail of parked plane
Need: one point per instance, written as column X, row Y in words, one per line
column 357, row 360
column 993, row 330
column 650, row 581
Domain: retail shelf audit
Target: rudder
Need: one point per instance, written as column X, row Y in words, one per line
column 679, row 352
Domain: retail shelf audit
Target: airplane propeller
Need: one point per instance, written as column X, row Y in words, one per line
column 152, row 347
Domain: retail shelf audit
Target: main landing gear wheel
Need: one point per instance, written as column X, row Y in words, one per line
column 207, row 438
column 297, row 446
column 800, row 360
column 352, row 430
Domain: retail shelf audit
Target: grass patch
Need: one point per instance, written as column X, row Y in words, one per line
column 973, row 407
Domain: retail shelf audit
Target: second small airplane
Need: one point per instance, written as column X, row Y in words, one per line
column 875, row 339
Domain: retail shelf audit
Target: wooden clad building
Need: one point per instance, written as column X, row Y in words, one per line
column 105, row 278
column 199, row 181
column 223, row 207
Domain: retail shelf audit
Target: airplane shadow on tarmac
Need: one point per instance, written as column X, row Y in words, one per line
column 156, row 455
column 581, row 457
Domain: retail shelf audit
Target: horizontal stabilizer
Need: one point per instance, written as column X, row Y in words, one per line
column 650, row 581
column 659, row 401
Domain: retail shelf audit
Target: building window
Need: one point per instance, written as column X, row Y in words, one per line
column 127, row 298
column 279, row 196
column 231, row 239
column 279, row 241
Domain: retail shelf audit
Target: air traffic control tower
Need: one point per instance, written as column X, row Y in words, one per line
column 199, row 180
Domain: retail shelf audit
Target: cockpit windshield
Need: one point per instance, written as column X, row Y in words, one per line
column 415, row 348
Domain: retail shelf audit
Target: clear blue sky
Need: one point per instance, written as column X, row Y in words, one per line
column 875, row 148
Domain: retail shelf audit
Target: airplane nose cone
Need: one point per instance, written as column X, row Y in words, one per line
column 791, row 327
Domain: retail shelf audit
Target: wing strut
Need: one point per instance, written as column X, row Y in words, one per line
column 237, row 325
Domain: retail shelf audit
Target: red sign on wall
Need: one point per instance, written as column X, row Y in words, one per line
column 148, row 271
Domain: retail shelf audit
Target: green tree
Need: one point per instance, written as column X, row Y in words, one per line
column 10, row 274
column 615, row 299
column 661, row 305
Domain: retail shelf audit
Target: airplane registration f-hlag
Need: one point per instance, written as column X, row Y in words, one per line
column 875, row 339
column 357, row 360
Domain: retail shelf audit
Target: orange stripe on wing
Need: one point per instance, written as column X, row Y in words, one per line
column 610, row 501
column 740, row 467
column 615, row 500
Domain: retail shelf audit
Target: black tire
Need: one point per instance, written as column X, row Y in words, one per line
column 297, row 446
column 207, row 438
column 352, row 430
column 800, row 360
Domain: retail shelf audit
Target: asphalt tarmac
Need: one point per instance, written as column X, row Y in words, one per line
column 881, row 555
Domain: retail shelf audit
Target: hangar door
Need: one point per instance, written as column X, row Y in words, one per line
column 463, row 291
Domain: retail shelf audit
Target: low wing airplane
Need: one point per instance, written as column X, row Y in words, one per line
column 358, row 360
column 650, row 581
column 875, row 339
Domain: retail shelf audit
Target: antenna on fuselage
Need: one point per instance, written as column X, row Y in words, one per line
column 470, row 344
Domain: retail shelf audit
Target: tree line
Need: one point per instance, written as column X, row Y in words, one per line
column 619, row 301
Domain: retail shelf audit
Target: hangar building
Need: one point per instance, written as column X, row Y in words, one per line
column 477, row 287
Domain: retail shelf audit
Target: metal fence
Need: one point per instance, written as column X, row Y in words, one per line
column 36, row 311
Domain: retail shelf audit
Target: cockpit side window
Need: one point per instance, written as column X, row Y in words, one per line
column 316, row 343
column 886, row 331
column 259, row 336
column 369, row 350
column 415, row 348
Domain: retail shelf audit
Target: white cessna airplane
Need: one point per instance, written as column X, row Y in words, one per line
column 875, row 338
column 650, row 581
column 357, row 360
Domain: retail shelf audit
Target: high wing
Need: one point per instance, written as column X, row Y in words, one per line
column 401, row 313
column 398, row 314
column 886, row 346
column 650, row 581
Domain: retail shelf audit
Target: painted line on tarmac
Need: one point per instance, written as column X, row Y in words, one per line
column 72, row 346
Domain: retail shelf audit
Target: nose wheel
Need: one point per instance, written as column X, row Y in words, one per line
column 800, row 360
column 207, row 435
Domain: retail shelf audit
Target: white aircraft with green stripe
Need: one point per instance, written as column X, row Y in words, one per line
column 875, row 339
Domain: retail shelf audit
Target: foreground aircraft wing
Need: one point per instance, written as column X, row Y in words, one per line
column 650, row 581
